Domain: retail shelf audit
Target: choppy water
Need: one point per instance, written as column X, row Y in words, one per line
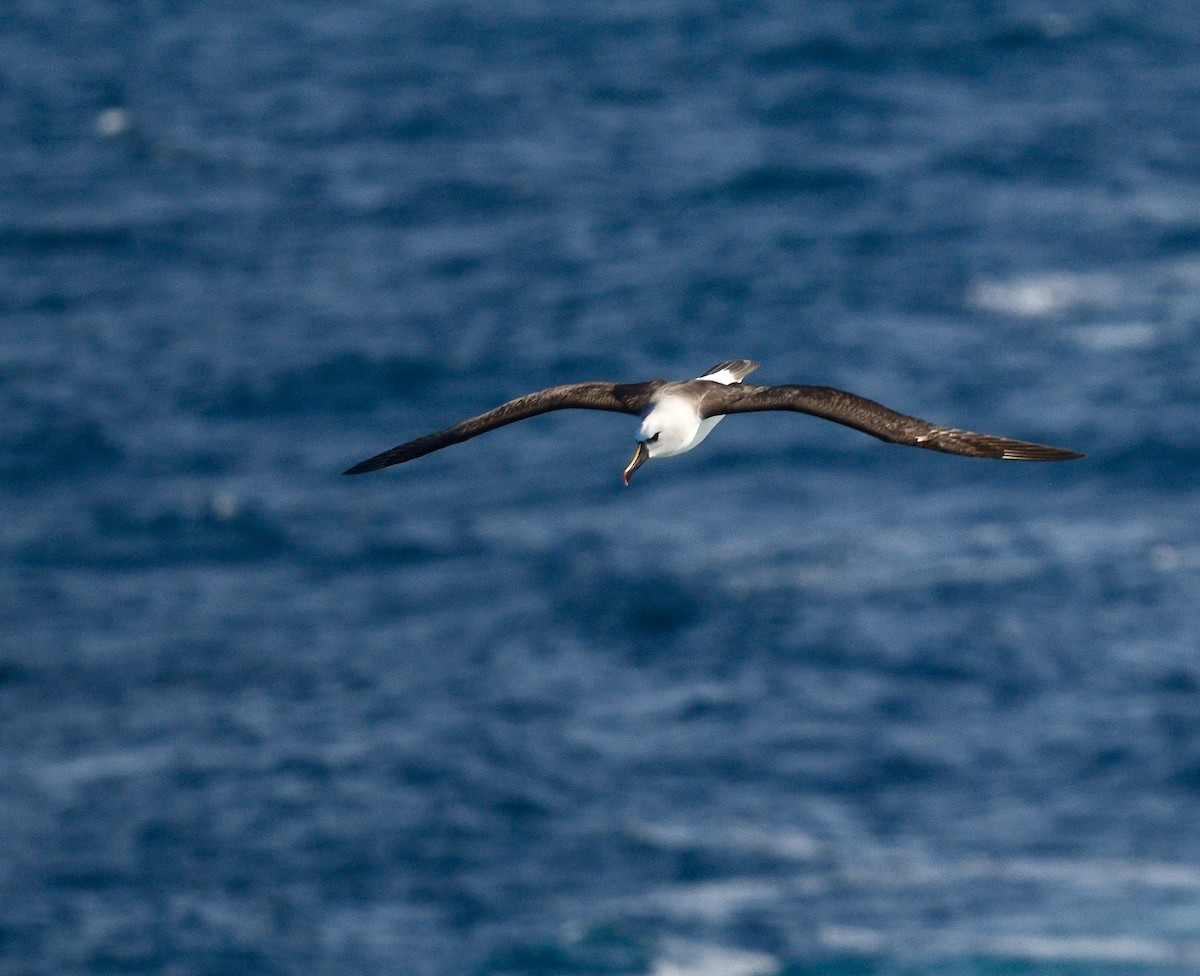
column 796, row 703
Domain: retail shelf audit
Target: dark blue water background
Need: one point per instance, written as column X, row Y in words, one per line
column 798, row 702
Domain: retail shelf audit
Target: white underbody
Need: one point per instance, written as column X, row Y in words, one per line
column 676, row 420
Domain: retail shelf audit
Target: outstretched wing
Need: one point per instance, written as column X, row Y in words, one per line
column 629, row 398
column 874, row 419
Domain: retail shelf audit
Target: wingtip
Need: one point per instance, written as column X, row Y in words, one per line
column 397, row 455
column 1036, row 452
column 363, row 467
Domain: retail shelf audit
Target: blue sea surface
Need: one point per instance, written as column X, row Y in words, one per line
column 798, row 703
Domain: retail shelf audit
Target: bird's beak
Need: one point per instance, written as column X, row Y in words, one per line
column 640, row 457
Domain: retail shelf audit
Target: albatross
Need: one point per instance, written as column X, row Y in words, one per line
column 677, row 416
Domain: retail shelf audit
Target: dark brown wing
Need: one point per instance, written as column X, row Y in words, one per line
column 874, row 419
column 618, row 397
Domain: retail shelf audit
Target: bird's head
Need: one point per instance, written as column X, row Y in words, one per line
column 669, row 428
column 642, row 453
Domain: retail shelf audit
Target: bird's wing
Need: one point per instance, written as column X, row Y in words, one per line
column 874, row 419
column 629, row 398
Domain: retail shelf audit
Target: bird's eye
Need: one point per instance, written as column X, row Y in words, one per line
column 653, row 437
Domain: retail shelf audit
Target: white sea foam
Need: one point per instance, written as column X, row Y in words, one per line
column 1140, row 288
column 113, row 764
column 1116, row 336
column 1100, row 874
column 1104, row 875
column 1167, row 557
column 714, row 901
column 1088, row 948
column 1039, row 295
column 795, row 845
column 113, row 122
column 851, row 938
column 683, row 958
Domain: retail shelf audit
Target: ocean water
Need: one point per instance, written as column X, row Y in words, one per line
column 797, row 703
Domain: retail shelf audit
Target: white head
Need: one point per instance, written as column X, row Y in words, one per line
column 670, row 427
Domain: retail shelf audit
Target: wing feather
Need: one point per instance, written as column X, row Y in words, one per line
column 631, row 398
column 875, row 419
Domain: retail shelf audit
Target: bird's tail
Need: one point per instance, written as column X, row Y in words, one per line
column 733, row 371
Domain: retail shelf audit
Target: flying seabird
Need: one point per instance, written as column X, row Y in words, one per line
column 676, row 416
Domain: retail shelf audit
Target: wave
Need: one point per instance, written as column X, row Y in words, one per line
column 768, row 182
column 1131, row 293
column 46, row 443
column 217, row 527
column 679, row 957
column 343, row 382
